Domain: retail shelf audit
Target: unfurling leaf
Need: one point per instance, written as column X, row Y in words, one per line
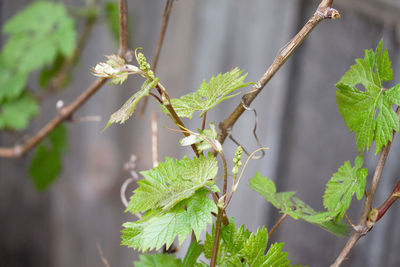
column 294, row 207
column 205, row 139
column 127, row 110
column 369, row 112
column 346, row 182
column 209, row 95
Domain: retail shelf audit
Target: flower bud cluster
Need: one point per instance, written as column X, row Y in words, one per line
column 237, row 160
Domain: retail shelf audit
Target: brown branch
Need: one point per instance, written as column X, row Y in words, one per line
column 216, row 238
column 368, row 216
column 389, row 201
column 277, row 224
column 66, row 113
column 161, row 37
column 324, row 11
column 124, row 50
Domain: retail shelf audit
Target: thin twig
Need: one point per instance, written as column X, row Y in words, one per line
column 203, row 124
column 389, row 201
column 366, row 221
column 277, row 224
column 103, row 259
column 324, row 11
column 221, row 212
column 160, row 42
column 124, row 50
column 66, row 113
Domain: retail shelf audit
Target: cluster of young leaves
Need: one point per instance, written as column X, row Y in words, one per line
column 368, row 111
column 46, row 163
column 175, row 202
column 36, row 36
column 203, row 140
column 240, row 247
column 210, row 94
column 288, row 204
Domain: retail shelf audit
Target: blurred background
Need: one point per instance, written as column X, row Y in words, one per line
column 298, row 120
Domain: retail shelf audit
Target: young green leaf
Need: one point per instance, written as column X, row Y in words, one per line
column 209, row 95
column 192, row 254
column 204, row 140
column 15, row 114
column 275, row 256
column 369, row 112
column 239, row 247
column 47, row 161
column 171, row 182
column 36, row 35
column 157, row 260
column 158, row 228
column 127, row 110
column 11, row 84
column 346, row 182
column 294, row 207
column 253, row 249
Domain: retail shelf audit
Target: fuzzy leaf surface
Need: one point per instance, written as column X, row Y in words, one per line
column 346, row 182
column 47, row 162
column 159, row 227
column 369, row 112
column 36, row 35
column 171, row 182
column 287, row 203
column 210, row 94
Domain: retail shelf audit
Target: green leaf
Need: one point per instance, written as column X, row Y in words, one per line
column 294, row 207
column 112, row 16
column 36, row 35
column 275, row 256
column 203, row 139
column 253, row 249
column 239, row 247
column 49, row 72
column 209, row 95
column 47, row 162
column 157, row 260
column 171, row 182
column 16, row 114
column 346, row 182
column 158, row 228
column 192, row 255
column 127, row 110
column 11, row 84
column 369, row 112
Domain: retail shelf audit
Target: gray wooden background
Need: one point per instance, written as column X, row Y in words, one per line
column 298, row 120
